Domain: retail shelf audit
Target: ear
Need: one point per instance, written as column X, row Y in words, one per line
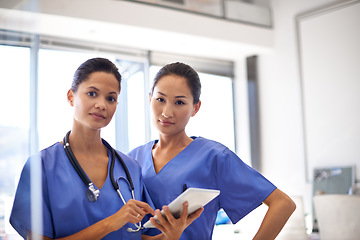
column 150, row 97
column 196, row 108
column 70, row 97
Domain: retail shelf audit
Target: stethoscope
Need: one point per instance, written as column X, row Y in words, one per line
column 92, row 193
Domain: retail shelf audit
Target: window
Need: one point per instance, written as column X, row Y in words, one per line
column 136, row 110
column 14, row 125
column 215, row 120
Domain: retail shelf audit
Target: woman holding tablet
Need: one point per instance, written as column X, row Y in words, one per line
column 176, row 161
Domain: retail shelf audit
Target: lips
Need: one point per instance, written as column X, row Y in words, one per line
column 97, row 115
column 164, row 122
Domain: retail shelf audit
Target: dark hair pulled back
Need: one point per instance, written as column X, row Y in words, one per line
column 94, row 65
column 182, row 70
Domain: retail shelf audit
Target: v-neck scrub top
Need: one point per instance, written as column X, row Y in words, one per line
column 205, row 164
column 65, row 207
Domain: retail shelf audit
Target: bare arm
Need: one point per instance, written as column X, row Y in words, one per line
column 280, row 209
column 172, row 228
column 128, row 213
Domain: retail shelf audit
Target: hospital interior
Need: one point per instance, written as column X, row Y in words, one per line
column 281, row 88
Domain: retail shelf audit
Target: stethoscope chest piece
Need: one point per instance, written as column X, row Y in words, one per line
column 92, row 193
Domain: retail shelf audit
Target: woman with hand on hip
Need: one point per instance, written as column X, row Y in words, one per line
column 176, row 160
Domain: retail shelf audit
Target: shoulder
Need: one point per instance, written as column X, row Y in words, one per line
column 52, row 155
column 53, row 149
column 214, row 151
column 209, row 145
column 44, row 159
column 141, row 150
column 46, row 155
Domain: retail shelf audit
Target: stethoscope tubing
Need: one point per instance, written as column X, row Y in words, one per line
column 117, row 155
column 87, row 181
column 81, row 172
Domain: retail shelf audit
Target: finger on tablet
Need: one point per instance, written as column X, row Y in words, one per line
column 185, row 210
column 168, row 214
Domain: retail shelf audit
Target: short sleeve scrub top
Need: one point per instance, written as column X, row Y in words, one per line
column 65, row 208
column 205, row 164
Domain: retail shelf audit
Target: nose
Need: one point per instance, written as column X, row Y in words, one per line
column 164, row 115
column 167, row 111
column 100, row 104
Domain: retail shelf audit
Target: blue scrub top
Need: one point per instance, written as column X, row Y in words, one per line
column 65, row 207
column 205, row 164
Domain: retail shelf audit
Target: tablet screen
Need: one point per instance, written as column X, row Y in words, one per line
column 196, row 197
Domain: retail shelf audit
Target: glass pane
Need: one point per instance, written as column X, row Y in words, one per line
column 136, row 110
column 215, row 119
column 14, row 126
column 55, row 115
column 247, row 12
column 152, row 72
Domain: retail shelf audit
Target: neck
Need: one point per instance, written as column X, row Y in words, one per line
column 173, row 141
column 85, row 141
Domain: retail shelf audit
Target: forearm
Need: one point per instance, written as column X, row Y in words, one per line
column 280, row 209
column 157, row 237
column 96, row 231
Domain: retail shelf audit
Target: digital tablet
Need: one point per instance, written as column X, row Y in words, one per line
column 196, row 197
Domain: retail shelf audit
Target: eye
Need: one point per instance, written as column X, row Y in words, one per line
column 111, row 99
column 160, row 100
column 179, row 102
column 92, row 94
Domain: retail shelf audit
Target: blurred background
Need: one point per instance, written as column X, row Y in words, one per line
column 281, row 86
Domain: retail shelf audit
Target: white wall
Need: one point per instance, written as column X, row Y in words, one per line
column 330, row 63
column 140, row 26
column 280, row 102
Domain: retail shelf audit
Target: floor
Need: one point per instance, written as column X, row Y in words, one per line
column 232, row 232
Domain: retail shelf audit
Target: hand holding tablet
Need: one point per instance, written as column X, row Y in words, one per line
column 196, row 198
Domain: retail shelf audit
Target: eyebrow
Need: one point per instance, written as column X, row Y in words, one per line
column 95, row 88
column 163, row 94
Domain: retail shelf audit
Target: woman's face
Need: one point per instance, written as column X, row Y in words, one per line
column 95, row 101
column 172, row 105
